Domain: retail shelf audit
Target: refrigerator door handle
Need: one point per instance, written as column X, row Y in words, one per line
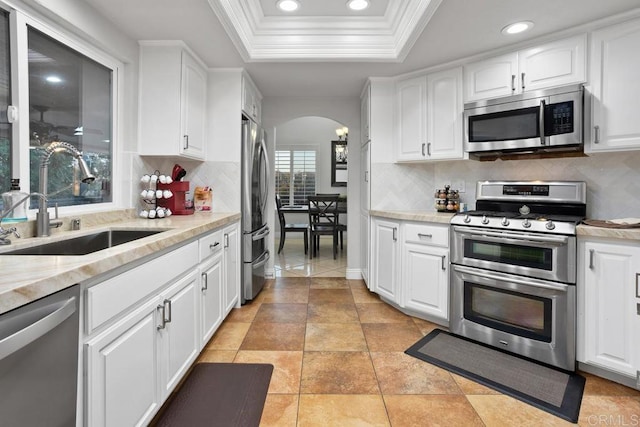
column 261, row 234
column 265, row 182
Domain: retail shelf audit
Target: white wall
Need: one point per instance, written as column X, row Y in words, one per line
column 277, row 111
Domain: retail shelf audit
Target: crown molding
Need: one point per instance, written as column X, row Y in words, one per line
column 386, row 38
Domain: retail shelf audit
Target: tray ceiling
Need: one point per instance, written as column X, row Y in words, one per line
column 386, row 31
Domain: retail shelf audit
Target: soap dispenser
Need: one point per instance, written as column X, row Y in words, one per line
column 10, row 198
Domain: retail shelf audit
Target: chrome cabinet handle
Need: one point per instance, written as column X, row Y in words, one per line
column 226, row 240
column 444, row 262
column 167, row 303
column 161, row 307
column 421, row 235
column 637, row 285
column 395, row 234
column 513, row 82
column 591, row 255
column 596, row 138
column 366, row 176
column 212, row 247
column 186, row 141
column 423, row 149
column 205, row 282
column 429, row 149
column 522, row 77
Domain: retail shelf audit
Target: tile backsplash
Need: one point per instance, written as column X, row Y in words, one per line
column 613, row 181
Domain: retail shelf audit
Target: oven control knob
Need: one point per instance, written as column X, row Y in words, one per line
column 504, row 221
column 485, row 220
column 466, row 219
column 550, row 225
column 526, row 223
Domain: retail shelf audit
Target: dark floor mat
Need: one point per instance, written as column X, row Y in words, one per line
column 219, row 394
column 555, row 391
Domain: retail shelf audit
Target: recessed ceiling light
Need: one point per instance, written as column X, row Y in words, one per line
column 288, row 5
column 358, row 4
column 53, row 79
column 517, row 27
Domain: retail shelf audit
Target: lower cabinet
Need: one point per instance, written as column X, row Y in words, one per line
column 609, row 306
column 385, row 259
column 138, row 346
column 122, row 371
column 421, row 286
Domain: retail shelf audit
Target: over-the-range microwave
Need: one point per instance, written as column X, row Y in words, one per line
column 548, row 120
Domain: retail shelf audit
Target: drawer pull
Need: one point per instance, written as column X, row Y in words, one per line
column 422, row 235
column 212, row 247
column 444, row 262
column 395, row 234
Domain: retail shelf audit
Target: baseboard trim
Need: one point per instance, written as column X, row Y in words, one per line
column 353, row 274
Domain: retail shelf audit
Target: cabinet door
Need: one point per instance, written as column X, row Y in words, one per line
column 211, row 279
column 553, row 64
column 364, row 248
column 385, row 259
column 491, row 78
column 251, row 103
column 616, row 88
column 425, row 280
column 411, row 119
column 122, row 387
column 444, row 115
column 194, row 104
column 610, row 321
column 231, row 292
column 179, row 340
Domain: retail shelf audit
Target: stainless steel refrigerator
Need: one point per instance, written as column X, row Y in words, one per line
column 255, row 188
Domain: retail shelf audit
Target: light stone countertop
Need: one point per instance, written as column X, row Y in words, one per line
column 421, row 216
column 26, row 278
column 445, row 217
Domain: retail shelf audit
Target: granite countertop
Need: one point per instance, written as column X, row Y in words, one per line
column 417, row 215
column 27, row 278
column 583, row 230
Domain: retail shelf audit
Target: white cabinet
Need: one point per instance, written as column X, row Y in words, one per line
column 122, row 382
column 425, row 270
column 231, row 256
column 609, row 305
column 172, row 101
column 615, row 88
column 251, row 99
column 365, row 202
column 429, row 117
column 552, row 64
column 385, row 259
column 178, row 329
column 211, row 278
column 365, row 115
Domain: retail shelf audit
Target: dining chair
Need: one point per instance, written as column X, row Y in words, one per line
column 290, row 228
column 342, row 204
column 323, row 221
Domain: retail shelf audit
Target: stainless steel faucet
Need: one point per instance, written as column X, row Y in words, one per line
column 43, row 223
column 4, row 233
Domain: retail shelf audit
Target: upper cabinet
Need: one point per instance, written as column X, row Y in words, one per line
column 556, row 63
column 172, row 101
column 365, row 116
column 429, row 117
column 615, row 88
column 251, row 99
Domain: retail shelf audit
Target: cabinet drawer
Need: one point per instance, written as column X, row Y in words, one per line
column 210, row 244
column 105, row 300
column 427, row 234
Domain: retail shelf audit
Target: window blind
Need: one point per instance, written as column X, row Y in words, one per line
column 295, row 175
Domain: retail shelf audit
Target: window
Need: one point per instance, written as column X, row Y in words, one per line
column 5, row 101
column 70, row 100
column 295, row 175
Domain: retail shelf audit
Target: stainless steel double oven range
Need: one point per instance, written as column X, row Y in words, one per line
column 513, row 272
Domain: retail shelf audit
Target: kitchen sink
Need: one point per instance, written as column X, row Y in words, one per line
column 87, row 244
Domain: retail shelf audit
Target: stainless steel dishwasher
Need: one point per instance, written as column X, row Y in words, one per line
column 39, row 362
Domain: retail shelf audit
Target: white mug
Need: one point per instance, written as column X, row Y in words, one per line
column 145, row 178
column 152, row 213
column 144, row 214
column 167, row 194
column 158, row 194
column 162, row 179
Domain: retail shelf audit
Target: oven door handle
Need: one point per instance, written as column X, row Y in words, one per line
column 511, row 237
column 511, row 279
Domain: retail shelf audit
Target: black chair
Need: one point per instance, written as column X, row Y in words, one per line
column 290, row 228
column 341, row 227
column 323, row 221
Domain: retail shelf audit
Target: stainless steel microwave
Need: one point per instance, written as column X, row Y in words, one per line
column 538, row 121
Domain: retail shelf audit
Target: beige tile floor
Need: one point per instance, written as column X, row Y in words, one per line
column 292, row 262
column 338, row 357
